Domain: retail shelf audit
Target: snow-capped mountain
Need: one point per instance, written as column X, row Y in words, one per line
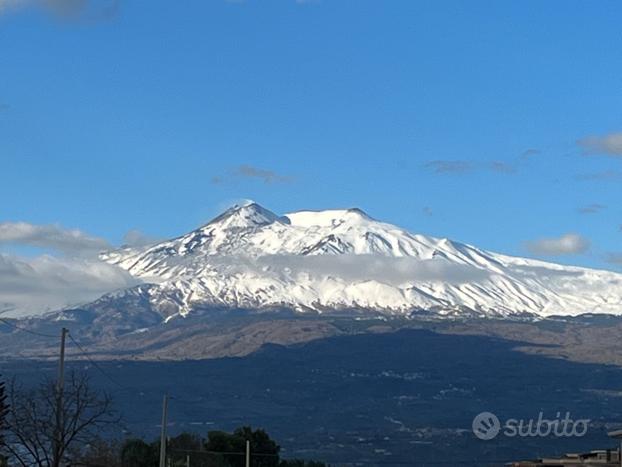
column 249, row 257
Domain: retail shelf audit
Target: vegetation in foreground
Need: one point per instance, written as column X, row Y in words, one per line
column 219, row 449
column 39, row 428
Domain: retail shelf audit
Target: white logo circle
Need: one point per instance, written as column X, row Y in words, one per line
column 486, row 426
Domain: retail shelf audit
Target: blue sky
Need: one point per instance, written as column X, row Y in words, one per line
column 449, row 118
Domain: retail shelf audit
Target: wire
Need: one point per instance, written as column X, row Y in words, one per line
column 83, row 351
column 96, row 365
column 123, row 387
column 19, row 328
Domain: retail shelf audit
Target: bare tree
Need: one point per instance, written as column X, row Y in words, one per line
column 99, row 453
column 3, row 409
column 3, row 412
column 31, row 425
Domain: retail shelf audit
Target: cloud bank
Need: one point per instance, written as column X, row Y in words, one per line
column 356, row 268
column 68, row 241
column 33, row 285
column 36, row 285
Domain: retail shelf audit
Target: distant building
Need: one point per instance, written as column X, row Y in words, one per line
column 598, row 458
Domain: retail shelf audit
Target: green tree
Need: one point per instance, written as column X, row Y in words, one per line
column 100, row 453
column 264, row 450
column 137, row 453
column 182, row 445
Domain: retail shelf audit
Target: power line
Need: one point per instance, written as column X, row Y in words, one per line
column 19, row 328
column 96, row 365
column 40, row 334
column 123, row 387
column 83, row 351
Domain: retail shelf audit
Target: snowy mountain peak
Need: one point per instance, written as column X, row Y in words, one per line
column 342, row 259
column 328, row 218
column 245, row 216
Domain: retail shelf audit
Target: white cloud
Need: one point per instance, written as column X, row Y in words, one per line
column 267, row 176
column 527, row 153
column 568, row 244
column 69, row 9
column 609, row 144
column 449, row 166
column 593, row 208
column 250, row 172
column 55, row 237
column 33, row 285
column 36, row 285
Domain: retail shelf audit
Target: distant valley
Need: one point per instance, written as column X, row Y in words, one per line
column 391, row 398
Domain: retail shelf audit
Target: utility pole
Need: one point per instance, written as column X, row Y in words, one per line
column 60, row 386
column 187, row 460
column 248, row 453
column 163, row 432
